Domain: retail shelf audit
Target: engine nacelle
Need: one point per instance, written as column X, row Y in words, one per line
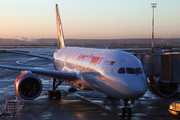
column 28, row 86
column 163, row 89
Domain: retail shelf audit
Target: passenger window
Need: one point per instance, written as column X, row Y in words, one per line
column 130, row 70
column 121, row 70
column 139, row 70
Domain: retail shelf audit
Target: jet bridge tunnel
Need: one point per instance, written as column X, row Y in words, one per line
column 162, row 71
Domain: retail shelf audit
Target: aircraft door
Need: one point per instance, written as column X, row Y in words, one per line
column 105, row 66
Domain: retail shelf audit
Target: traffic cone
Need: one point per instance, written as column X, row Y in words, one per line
column 23, row 106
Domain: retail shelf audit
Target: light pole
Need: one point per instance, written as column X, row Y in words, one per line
column 153, row 5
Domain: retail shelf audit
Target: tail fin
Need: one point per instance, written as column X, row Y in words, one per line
column 60, row 35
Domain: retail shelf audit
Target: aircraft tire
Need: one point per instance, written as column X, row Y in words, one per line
column 123, row 112
column 129, row 112
column 58, row 94
column 49, row 94
column 72, row 89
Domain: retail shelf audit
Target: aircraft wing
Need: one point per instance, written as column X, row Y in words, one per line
column 24, row 53
column 69, row 76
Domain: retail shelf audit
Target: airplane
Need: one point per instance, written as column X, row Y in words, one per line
column 116, row 73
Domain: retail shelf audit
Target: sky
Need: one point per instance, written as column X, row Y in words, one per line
column 89, row 19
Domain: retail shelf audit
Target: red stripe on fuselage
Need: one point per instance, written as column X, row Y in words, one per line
column 90, row 58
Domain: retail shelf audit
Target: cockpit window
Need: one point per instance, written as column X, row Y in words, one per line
column 139, row 70
column 121, row 70
column 130, row 70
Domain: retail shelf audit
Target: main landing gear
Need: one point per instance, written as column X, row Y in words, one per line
column 54, row 92
column 126, row 111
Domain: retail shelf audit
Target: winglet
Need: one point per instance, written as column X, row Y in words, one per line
column 60, row 35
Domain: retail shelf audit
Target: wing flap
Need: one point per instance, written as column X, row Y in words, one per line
column 69, row 76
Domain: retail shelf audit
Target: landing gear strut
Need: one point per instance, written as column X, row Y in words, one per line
column 126, row 111
column 54, row 92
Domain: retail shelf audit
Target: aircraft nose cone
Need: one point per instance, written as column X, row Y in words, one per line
column 137, row 88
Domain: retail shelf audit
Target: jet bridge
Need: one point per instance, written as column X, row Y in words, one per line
column 165, row 65
column 162, row 71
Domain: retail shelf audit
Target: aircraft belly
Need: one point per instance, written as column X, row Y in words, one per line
column 111, row 88
column 90, row 79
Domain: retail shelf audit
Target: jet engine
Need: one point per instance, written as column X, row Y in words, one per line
column 28, row 86
column 161, row 88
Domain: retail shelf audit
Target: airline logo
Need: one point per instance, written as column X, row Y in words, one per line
column 94, row 60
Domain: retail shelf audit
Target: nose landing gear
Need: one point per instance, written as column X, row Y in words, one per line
column 126, row 111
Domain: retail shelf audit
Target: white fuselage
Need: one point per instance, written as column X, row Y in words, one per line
column 116, row 73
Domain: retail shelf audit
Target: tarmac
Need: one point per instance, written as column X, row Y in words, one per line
column 80, row 105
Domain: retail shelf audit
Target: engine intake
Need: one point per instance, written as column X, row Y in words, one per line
column 160, row 88
column 28, row 86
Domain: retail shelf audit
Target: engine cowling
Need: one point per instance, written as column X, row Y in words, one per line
column 163, row 89
column 28, row 86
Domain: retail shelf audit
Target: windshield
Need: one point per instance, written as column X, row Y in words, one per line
column 121, row 71
column 130, row 70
